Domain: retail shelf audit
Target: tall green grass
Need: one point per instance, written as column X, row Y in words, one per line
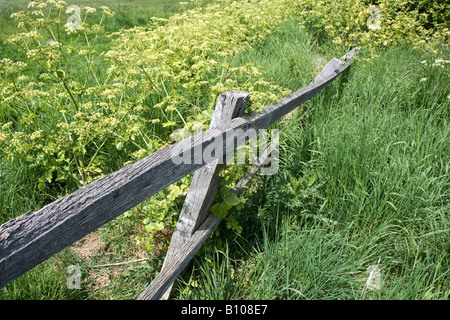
column 364, row 180
column 288, row 57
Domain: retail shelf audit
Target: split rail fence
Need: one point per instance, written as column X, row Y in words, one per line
column 34, row 237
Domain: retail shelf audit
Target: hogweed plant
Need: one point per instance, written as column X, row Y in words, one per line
column 370, row 25
column 53, row 107
column 75, row 109
column 74, row 112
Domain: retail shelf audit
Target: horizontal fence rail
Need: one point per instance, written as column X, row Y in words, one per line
column 34, row 237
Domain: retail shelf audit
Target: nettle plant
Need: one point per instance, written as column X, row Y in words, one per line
column 84, row 103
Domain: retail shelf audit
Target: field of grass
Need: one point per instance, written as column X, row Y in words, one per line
column 363, row 181
column 367, row 178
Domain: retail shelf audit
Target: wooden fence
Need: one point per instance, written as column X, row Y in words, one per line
column 34, row 237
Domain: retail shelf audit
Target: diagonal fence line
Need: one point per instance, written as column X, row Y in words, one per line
column 162, row 282
column 158, row 288
column 34, row 237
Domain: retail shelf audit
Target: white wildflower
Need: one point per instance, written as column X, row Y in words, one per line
column 89, row 9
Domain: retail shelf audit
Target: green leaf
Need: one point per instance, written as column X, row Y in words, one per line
column 60, row 74
column 215, row 208
column 224, row 190
column 148, row 246
column 169, row 124
column 222, row 213
column 193, row 283
column 219, row 210
column 49, row 176
column 154, row 226
column 240, row 206
column 158, row 225
column 127, row 214
column 232, row 199
column 226, row 205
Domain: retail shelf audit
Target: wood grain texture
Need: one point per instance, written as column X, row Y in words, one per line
column 240, row 186
column 205, row 182
column 34, row 237
column 173, row 269
column 163, row 281
column 328, row 69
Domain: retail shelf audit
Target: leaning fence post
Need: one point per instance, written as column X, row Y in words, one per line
column 34, row 237
column 164, row 280
column 205, row 182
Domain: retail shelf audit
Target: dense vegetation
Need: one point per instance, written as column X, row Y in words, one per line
column 364, row 166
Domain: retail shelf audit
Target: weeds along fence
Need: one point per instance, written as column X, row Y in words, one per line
column 34, row 237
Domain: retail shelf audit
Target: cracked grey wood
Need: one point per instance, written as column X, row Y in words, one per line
column 205, row 182
column 34, row 237
column 159, row 287
column 163, row 281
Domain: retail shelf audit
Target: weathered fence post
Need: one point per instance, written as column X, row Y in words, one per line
column 199, row 224
column 164, row 280
column 33, row 237
column 205, row 182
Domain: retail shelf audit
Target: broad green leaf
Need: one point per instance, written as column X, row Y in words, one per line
column 232, row 199
column 226, row 205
